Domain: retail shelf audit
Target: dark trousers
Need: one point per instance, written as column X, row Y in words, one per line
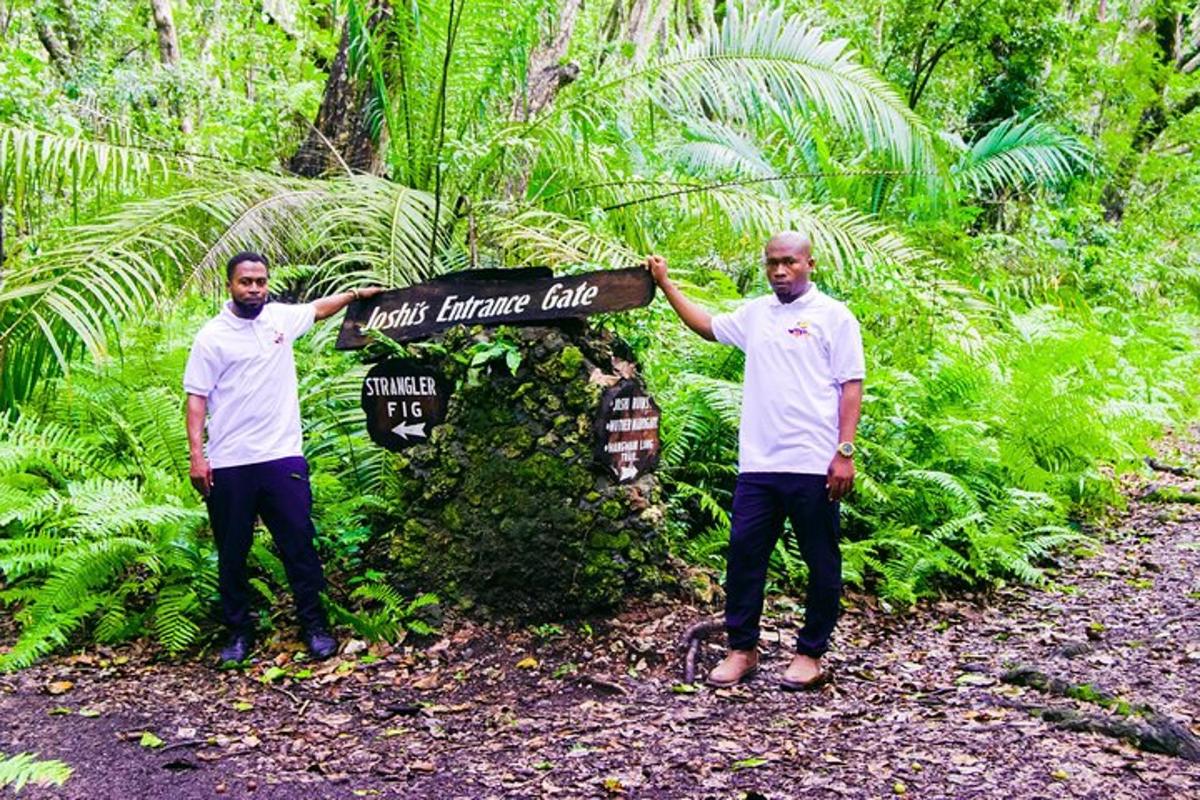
column 279, row 492
column 761, row 502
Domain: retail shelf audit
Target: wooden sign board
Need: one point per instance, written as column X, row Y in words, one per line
column 627, row 439
column 465, row 298
column 403, row 401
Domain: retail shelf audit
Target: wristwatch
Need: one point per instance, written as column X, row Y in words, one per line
column 846, row 449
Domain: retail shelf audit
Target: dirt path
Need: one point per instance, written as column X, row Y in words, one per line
column 917, row 709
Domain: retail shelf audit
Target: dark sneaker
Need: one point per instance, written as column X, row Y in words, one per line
column 238, row 649
column 321, row 644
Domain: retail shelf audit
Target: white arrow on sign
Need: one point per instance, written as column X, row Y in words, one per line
column 404, row 430
column 628, row 471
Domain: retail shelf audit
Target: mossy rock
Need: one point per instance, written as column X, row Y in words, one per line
column 505, row 505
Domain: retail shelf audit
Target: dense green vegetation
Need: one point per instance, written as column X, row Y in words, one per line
column 1005, row 193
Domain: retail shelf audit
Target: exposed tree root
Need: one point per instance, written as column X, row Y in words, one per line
column 606, row 687
column 692, row 638
column 1169, row 494
column 1138, row 724
column 1159, row 466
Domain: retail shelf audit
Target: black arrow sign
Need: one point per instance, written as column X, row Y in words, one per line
column 403, row 401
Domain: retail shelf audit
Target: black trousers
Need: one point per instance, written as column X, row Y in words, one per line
column 279, row 492
column 761, row 502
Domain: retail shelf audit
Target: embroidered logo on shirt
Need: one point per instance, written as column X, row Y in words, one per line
column 278, row 337
column 800, row 329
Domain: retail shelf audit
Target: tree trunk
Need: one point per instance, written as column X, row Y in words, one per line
column 164, row 23
column 650, row 25
column 544, row 77
column 168, row 53
column 1157, row 115
column 211, row 33
column 71, row 27
column 341, row 139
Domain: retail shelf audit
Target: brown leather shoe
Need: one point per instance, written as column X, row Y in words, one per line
column 804, row 673
column 735, row 668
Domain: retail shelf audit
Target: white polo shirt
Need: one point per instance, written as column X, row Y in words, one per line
column 798, row 355
column 245, row 369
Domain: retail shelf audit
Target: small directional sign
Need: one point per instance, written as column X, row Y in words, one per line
column 627, row 431
column 403, row 401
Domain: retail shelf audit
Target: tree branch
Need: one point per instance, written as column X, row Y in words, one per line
column 60, row 57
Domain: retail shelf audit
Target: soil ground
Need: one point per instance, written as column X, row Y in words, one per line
column 917, row 708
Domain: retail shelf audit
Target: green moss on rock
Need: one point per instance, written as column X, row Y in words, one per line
column 505, row 505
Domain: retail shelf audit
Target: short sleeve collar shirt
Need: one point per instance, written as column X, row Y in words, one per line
column 798, row 355
column 247, row 373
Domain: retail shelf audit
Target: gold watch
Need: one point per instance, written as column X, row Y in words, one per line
column 846, row 449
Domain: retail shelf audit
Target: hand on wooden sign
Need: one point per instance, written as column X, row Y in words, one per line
column 657, row 267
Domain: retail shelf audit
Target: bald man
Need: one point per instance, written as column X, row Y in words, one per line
column 801, row 401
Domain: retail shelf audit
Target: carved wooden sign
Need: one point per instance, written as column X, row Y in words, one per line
column 627, row 431
column 403, row 401
column 484, row 298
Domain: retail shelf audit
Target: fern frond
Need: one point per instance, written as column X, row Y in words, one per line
column 50, row 631
column 27, row 769
column 950, row 487
column 174, row 608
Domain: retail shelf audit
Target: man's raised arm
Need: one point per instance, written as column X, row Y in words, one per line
column 692, row 315
column 328, row 306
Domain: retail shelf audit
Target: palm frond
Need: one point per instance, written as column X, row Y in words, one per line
column 862, row 247
column 527, row 235
column 115, row 266
column 1020, row 154
column 31, row 159
column 370, row 229
column 717, row 150
column 757, row 57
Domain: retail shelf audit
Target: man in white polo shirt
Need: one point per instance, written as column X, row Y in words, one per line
column 241, row 375
column 800, row 408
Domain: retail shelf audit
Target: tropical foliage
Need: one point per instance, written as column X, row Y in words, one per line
column 25, row 769
column 1005, row 194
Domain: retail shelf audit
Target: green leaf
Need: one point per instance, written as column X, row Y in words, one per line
column 151, row 741
column 749, row 763
column 272, row 674
column 513, row 359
